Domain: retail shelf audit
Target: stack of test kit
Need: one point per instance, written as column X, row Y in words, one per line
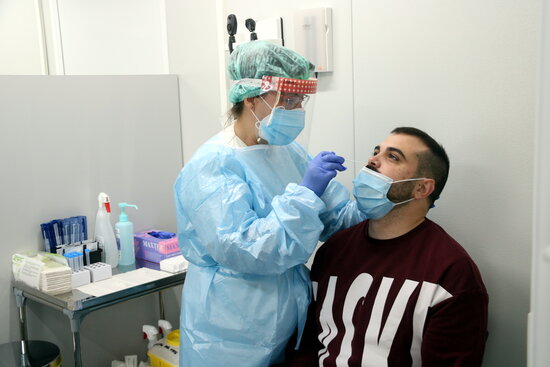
column 44, row 271
column 56, row 274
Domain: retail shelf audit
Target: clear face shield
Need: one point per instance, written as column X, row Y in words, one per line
column 291, row 118
column 291, row 105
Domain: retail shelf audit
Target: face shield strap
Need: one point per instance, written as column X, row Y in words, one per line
column 248, row 82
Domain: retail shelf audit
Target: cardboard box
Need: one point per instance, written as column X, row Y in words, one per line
column 154, row 245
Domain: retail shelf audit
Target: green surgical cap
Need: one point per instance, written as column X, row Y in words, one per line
column 260, row 58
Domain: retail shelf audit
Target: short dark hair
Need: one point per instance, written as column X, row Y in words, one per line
column 434, row 163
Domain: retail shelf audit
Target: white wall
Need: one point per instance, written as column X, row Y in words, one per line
column 21, row 41
column 79, row 37
column 539, row 333
column 193, row 56
column 466, row 73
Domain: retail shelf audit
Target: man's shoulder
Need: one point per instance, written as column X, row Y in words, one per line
column 343, row 241
column 352, row 233
column 460, row 268
column 443, row 240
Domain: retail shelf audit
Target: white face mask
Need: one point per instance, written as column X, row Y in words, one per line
column 370, row 189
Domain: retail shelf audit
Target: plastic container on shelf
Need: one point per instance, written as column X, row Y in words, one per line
column 104, row 234
column 124, row 233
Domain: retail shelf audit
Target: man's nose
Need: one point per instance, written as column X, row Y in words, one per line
column 373, row 161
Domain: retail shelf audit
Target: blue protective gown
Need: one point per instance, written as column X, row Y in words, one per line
column 246, row 229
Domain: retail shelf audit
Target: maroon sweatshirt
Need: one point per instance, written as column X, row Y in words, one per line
column 415, row 300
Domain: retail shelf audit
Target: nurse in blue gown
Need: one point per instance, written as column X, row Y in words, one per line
column 251, row 208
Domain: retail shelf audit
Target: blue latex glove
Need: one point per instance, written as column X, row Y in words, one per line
column 321, row 170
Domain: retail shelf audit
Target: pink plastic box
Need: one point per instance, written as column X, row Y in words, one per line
column 154, row 245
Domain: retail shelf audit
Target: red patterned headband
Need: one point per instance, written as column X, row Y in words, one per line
column 288, row 85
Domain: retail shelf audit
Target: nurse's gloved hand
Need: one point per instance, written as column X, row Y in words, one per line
column 321, row 170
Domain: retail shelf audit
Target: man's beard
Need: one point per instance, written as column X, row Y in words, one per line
column 401, row 191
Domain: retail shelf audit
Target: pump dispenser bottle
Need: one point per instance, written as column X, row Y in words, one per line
column 104, row 234
column 125, row 236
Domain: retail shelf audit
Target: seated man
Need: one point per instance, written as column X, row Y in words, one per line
column 396, row 290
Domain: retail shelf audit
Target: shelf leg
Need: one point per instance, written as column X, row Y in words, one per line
column 161, row 306
column 76, row 320
column 20, row 303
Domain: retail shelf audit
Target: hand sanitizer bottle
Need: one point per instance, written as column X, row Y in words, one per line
column 124, row 230
column 104, row 234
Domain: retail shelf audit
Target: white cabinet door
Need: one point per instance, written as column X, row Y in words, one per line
column 109, row 37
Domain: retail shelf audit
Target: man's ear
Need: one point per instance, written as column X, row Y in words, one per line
column 424, row 188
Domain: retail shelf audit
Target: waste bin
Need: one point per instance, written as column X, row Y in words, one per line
column 38, row 353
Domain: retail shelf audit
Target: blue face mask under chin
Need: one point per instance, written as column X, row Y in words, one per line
column 281, row 127
column 370, row 189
